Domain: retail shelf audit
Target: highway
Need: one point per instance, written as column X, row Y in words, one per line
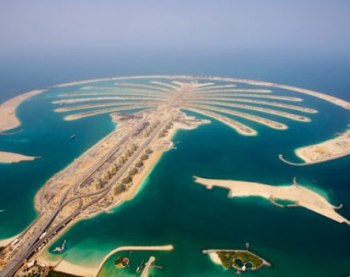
column 36, row 241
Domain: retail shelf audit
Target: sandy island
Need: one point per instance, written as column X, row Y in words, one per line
column 8, row 157
column 8, row 109
column 332, row 149
column 303, row 196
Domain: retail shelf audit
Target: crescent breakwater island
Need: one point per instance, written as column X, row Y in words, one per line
column 76, row 270
column 295, row 194
column 148, row 111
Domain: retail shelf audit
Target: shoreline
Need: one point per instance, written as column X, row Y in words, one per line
column 138, row 182
column 68, row 267
column 9, row 107
column 5, row 242
column 9, row 158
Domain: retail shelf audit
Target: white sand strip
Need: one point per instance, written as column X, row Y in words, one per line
column 303, row 196
column 8, row 109
column 8, row 157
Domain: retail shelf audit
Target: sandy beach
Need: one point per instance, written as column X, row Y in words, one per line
column 168, row 247
column 8, row 157
column 214, row 257
column 5, row 242
column 303, row 196
column 8, row 109
column 147, row 269
column 264, row 121
column 92, row 271
column 159, row 146
column 239, row 127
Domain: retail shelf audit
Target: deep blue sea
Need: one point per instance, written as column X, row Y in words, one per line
column 171, row 208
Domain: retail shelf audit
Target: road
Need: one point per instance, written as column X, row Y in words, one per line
column 35, row 242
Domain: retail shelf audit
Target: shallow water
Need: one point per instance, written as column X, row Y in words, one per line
column 172, row 209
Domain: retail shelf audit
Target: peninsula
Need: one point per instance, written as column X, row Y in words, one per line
column 301, row 196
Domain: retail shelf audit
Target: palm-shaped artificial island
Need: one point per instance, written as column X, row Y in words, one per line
column 148, row 110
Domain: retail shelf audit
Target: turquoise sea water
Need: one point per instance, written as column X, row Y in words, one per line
column 172, row 209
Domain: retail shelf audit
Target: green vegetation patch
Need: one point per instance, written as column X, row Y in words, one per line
column 122, row 262
column 284, row 202
column 238, row 258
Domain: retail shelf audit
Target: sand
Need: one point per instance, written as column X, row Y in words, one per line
column 331, row 99
column 239, row 127
column 264, row 121
column 8, row 109
column 8, row 157
column 328, row 150
column 133, row 248
column 331, row 149
column 146, row 270
column 5, row 242
column 214, row 258
column 232, row 96
column 260, row 109
column 103, row 111
column 334, row 100
column 8, row 115
column 303, row 196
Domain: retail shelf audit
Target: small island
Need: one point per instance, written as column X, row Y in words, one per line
column 8, row 158
column 241, row 260
column 122, row 262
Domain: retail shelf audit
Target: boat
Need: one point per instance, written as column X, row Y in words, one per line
column 72, row 136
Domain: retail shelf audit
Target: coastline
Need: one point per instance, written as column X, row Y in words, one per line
column 8, row 108
column 67, row 267
column 5, row 242
column 138, row 182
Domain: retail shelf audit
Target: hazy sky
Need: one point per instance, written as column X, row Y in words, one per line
column 178, row 25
